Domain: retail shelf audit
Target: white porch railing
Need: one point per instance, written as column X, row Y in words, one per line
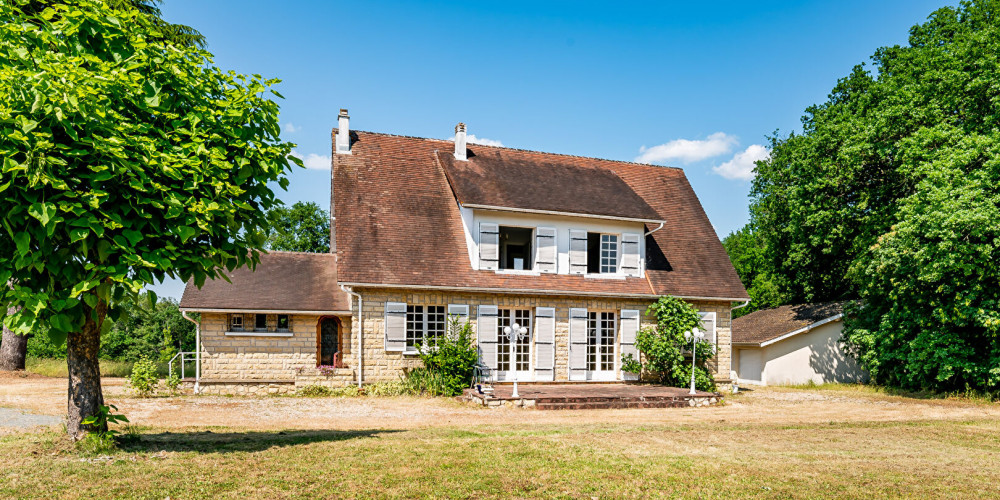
column 184, row 356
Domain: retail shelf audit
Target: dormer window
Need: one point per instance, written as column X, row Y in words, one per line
column 602, row 253
column 516, row 252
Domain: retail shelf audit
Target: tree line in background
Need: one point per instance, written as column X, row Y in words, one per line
column 891, row 197
column 158, row 332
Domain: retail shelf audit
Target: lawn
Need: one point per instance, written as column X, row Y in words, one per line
column 769, row 444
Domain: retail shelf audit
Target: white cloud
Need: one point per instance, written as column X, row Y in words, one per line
column 742, row 164
column 290, row 128
column 472, row 139
column 313, row 160
column 686, row 150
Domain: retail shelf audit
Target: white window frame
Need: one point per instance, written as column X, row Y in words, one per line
column 532, row 246
column 232, row 323
column 424, row 326
column 617, row 251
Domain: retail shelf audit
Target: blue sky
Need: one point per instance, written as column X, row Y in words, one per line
column 698, row 85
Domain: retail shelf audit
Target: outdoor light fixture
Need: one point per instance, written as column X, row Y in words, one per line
column 514, row 333
column 693, row 338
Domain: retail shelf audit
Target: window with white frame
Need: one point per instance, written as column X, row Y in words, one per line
column 609, row 253
column 602, row 253
column 236, row 322
column 424, row 324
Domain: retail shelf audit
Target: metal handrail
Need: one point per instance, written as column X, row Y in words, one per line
column 185, row 356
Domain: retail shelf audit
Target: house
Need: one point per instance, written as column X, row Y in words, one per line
column 572, row 248
column 794, row 344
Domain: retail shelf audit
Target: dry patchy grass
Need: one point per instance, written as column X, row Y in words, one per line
column 712, row 460
column 769, row 443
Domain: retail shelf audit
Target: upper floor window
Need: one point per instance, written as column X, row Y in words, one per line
column 602, row 253
column 424, row 325
column 515, row 248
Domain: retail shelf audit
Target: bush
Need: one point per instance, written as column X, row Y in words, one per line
column 397, row 388
column 314, row 391
column 448, row 364
column 663, row 348
column 103, row 440
column 173, row 383
column 423, row 381
column 144, row 378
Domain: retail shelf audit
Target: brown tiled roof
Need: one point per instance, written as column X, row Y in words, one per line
column 496, row 179
column 768, row 324
column 398, row 223
column 282, row 281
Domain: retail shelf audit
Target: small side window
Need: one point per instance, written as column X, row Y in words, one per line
column 260, row 323
column 283, row 324
column 236, row 322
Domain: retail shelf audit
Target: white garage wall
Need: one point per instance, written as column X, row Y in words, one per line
column 816, row 356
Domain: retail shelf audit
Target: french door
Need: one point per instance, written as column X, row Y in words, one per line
column 513, row 350
column 601, row 345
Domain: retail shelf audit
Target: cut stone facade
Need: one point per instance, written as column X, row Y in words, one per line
column 264, row 357
column 279, row 364
column 380, row 365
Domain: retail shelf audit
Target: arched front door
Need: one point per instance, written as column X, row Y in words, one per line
column 329, row 340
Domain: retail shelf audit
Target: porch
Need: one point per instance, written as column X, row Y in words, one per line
column 587, row 396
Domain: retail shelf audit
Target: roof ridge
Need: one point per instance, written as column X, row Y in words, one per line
column 524, row 150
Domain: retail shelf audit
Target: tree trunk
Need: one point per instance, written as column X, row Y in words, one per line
column 85, row 396
column 13, row 348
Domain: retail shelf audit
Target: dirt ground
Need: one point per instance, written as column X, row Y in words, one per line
column 47, row 396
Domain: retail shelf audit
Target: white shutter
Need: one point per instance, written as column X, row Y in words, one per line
column 630, row 327
column 577, row 251
column 486, row 329
column 545, row 343
column 395, row 326
column 546, row 254
column 630, row 254
column 708, row 326
column 577, row 344
column 461, row 311
column 489, row 246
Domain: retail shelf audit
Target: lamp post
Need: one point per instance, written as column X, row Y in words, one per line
column 514, row 333
column 693, row 338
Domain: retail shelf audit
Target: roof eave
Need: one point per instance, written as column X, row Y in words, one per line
column 531, row 291
column 565, row 214
column 263, row 311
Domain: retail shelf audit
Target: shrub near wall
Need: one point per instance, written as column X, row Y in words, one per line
column 663, row 348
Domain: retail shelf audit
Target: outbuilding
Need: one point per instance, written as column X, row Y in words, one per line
column 793, row 344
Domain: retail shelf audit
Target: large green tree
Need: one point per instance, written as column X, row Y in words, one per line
column 13, row 348
column 748, row 255
column 303, row 227
column 889, row 194
column 125, row 160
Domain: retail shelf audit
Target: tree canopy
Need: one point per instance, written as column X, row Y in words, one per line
column 890, row 194
column 303, row 227
column 125, row 160
column 746, row 252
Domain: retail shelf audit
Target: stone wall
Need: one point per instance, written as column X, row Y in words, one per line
column 380, row 365
column 264, row 359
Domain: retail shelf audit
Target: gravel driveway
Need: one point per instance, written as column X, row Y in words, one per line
column 13, row 419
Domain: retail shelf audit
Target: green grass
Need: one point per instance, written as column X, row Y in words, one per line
column 109, row 368
column 918, row 459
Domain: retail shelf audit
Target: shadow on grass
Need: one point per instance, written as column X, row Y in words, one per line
column 229, row 442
